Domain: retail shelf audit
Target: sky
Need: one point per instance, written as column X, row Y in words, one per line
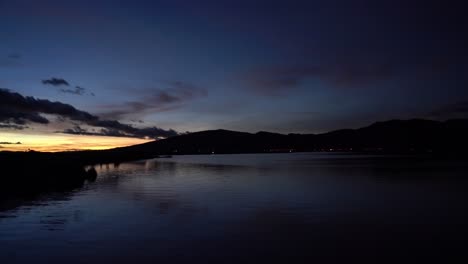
column 99, row 74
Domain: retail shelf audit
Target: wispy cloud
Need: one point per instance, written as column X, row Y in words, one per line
column 55, row 82
column 10, row 143
column 64, row 86
column 455, row 110
column 155, row 100
column 280, row 80
column 121, row 130
column 12, row 126
column 11, row 60
column 77, row 90
column 14, row 56
column 347, row 73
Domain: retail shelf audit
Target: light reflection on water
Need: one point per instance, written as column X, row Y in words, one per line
column 233, row 207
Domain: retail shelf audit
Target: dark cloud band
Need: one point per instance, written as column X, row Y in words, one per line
column 55, row 82
column 17, row 110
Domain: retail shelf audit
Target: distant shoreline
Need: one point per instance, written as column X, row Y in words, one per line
column 419, row 138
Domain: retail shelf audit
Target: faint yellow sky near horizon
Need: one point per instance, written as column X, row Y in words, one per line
column 63, row 142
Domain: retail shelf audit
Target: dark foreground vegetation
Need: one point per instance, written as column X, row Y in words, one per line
column 57, row 170
column 26, row 175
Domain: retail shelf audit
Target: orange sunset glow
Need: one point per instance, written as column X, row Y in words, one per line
column 63, row 142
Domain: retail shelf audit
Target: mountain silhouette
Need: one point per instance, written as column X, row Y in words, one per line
column 32, row 172
column 394, row 136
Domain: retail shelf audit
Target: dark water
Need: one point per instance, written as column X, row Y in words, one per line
column 313, row 208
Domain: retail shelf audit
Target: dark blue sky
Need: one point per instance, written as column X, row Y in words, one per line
column 284, row 66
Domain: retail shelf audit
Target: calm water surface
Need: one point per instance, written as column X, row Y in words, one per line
column 257, row 208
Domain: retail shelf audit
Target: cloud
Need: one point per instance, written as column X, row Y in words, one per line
column 21, row 118
column 76, row 130
column 156, row 100
column 11, row 60
column 58, row 82
column 273, row 80
column 113, row 127
column 456, row 110
column 14, row 56
column 10, row 143
column 122, row 130
column 12, row 126
column 17, row 110
column 78, row 90
column 278, row 80
column 55, row 82
column 358, row 70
